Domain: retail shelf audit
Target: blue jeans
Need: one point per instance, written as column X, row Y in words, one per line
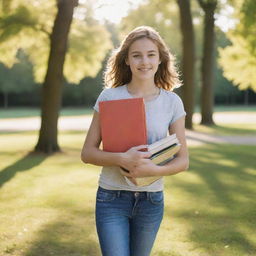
column 127, row 222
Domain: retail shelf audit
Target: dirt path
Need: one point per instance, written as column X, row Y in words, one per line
column 82, row 123
column 198, row 138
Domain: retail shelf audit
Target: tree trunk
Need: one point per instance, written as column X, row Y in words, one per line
column 207, row 68
column 188, row 59
column 246, row 97
column 52, row 86
column 6, row 103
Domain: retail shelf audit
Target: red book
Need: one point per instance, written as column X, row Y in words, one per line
column 123, row 124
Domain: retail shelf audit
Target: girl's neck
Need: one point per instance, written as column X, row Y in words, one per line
column 141, row 87
column 144, row 90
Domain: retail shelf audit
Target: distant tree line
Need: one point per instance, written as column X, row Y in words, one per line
column 18, row 88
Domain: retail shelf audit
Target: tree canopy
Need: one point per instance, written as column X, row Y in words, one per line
column 27, row 24
column 238, row 60
column 162, row 15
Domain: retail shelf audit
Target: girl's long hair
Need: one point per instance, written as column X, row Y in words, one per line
column 118, row 72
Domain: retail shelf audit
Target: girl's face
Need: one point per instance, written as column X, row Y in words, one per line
column 143, row 59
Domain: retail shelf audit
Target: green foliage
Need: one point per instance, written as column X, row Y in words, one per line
column 238, row 63
column 19, row 78
column 26, row 25
column 5, row 6
column 11, row 25
column 239, row 59
column 248, row 28
column 87, row 49
column 224, row 90
column 162, row 15
column 88, row 42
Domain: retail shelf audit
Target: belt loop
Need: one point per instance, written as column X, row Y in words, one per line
column 118, row 193
column 148, row 195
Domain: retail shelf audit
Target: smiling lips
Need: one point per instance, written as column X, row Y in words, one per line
column 144, row 69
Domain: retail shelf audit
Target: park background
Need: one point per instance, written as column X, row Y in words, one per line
column 52, row 59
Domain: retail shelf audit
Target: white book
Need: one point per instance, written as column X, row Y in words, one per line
column 163, row 143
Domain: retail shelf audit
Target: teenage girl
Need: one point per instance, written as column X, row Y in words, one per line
column 127, row 216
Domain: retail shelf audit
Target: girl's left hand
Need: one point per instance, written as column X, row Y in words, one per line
column 146, row 168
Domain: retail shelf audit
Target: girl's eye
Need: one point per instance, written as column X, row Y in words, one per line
column 136, row 56
column 152, row 55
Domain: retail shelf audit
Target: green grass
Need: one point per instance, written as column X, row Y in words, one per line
column 47, row 203
column 22, row 112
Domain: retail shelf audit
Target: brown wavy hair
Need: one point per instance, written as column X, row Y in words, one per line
column 118, row 72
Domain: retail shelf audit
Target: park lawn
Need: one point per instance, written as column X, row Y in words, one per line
column 47, row 203
column 24, row 112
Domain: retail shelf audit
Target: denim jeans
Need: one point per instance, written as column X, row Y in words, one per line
column 127, row 222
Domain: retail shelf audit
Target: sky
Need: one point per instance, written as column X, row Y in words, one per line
column 111, row 10
column 115, row 10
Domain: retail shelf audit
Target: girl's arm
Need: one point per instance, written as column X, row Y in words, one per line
column 181, row 161
column 178, row 164
column 91, row 153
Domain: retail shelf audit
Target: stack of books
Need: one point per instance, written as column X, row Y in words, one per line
column 163, row 151
column 123, row 125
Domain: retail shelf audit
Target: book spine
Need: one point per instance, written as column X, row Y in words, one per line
column 166, row 156
column 163, row 146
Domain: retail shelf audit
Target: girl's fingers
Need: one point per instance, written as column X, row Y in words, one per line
column 140, row 147
column 146, row 154
column 125, row 173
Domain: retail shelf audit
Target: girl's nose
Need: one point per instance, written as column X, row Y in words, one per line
column 144, row 59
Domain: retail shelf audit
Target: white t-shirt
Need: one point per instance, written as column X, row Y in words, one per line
column 161, row 112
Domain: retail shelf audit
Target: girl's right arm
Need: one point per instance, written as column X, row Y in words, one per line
column 93, row 155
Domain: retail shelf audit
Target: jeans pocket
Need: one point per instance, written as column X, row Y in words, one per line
column 156, row 197
column 104, row 195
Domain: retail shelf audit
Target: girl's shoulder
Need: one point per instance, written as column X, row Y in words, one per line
column 170, row 95
column 112, row 93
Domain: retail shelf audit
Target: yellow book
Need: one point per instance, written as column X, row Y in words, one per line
column 166, row 155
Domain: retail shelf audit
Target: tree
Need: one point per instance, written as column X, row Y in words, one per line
column 238, row 60
column 52, row 86
column 188, row 59
column 207, row 66
column 31, row 25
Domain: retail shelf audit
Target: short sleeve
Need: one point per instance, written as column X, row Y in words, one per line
column 178, row 109
column 102, row 97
